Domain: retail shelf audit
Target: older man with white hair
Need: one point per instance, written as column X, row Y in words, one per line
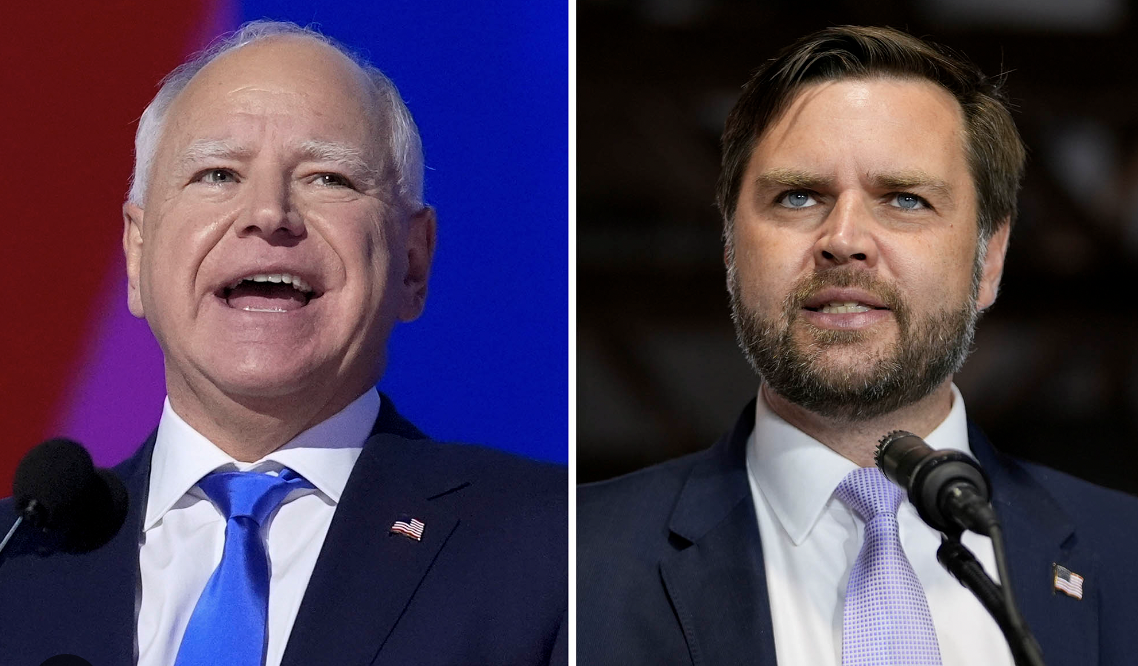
column 283, row 512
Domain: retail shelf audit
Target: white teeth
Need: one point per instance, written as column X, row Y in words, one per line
column 278, row 278
column 848, row 307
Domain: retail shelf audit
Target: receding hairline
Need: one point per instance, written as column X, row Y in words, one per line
column 170, row 114
column 399, row 139
column 359, row 75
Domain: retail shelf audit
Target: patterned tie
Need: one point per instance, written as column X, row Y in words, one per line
column 886, row 620
column 228, row 623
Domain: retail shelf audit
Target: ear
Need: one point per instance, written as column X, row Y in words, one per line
column 993, row 266
column 132, row 248
column 421, row 237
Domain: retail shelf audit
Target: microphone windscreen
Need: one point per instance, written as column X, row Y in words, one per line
column 58, row 489
column 57, row 474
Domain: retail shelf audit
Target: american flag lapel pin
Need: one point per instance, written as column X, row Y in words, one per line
column 412, row 528
column 1066, row 581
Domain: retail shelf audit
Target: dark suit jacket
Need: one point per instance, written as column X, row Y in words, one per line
column 488, row 583
column 670, row 564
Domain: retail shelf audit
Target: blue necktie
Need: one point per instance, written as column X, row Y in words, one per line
column 228, row 623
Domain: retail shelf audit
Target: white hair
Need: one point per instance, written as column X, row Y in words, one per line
column 405, row 148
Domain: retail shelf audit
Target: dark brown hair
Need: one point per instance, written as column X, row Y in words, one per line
column 994, row 150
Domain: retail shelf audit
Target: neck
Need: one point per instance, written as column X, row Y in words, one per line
column 857, row 440
column 248, row 429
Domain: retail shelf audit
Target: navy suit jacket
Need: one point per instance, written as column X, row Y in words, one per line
column 670, row 563
column 488, row 583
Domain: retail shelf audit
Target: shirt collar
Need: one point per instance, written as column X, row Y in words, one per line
column 797, row 474
column 324, row 455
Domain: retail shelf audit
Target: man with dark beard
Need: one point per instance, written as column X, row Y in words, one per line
column 868, row 190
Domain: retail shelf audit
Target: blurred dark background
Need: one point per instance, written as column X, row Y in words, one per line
column 1054, row 376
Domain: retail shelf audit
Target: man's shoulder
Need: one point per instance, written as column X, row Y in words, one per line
column 636, row 491
column 1092, row 522
column 487, row 487
column 1089, row 506
column 502, row 471
column 629, row 514
column 487, row 475
column 1080, row 490
column 1018, row 482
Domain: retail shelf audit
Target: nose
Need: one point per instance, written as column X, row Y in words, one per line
column 270, row 213
column 847, row 235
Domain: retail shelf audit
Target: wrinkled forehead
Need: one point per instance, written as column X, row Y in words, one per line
column 301, row 84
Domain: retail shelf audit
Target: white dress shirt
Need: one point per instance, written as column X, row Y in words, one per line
column 811, row 539
column 183, row 533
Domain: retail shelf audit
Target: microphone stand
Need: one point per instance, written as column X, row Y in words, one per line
column 950, row 492
column 31, row 511
column 8, row 536
column 997, row 599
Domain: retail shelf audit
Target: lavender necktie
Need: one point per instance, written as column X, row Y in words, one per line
column 886, row 620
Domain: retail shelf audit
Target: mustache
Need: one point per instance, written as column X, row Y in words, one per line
column 808, row 286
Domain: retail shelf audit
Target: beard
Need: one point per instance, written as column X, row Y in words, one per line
column 928, row 350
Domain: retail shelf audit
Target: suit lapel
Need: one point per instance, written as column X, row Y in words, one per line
column 365, row 575
column 715, row 578
column 717, row 571
column 1038, row 533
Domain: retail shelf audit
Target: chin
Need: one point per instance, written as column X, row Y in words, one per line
column 263, row 375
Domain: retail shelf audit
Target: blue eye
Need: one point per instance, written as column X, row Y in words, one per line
column 797, row 199
column 217, row 176
column 907, row 201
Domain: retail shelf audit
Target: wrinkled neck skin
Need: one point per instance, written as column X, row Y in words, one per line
column 250, row 428
column 857, row 440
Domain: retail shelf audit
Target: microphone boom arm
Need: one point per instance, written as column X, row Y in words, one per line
column 951, row 494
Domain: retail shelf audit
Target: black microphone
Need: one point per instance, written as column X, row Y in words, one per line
column 58, row 490
column 949, row 489
column 952, row 493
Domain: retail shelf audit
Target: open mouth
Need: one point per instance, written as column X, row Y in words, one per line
column 843, row 307
column 268, row 292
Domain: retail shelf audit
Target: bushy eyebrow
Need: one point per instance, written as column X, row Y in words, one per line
column 204, row 150
column 912, row 180
column 348, row 158
column 795, row 179
column 892, row 181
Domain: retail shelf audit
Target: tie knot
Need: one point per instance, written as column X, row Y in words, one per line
column 250, row 494
column 869, row 493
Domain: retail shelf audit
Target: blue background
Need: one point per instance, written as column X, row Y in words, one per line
column 487, row 84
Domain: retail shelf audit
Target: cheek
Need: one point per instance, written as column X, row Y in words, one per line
column 768, row 265
column 956, row 264
column 176, row 251
column 937, row 272
column 363, row 246
column 374, row 242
